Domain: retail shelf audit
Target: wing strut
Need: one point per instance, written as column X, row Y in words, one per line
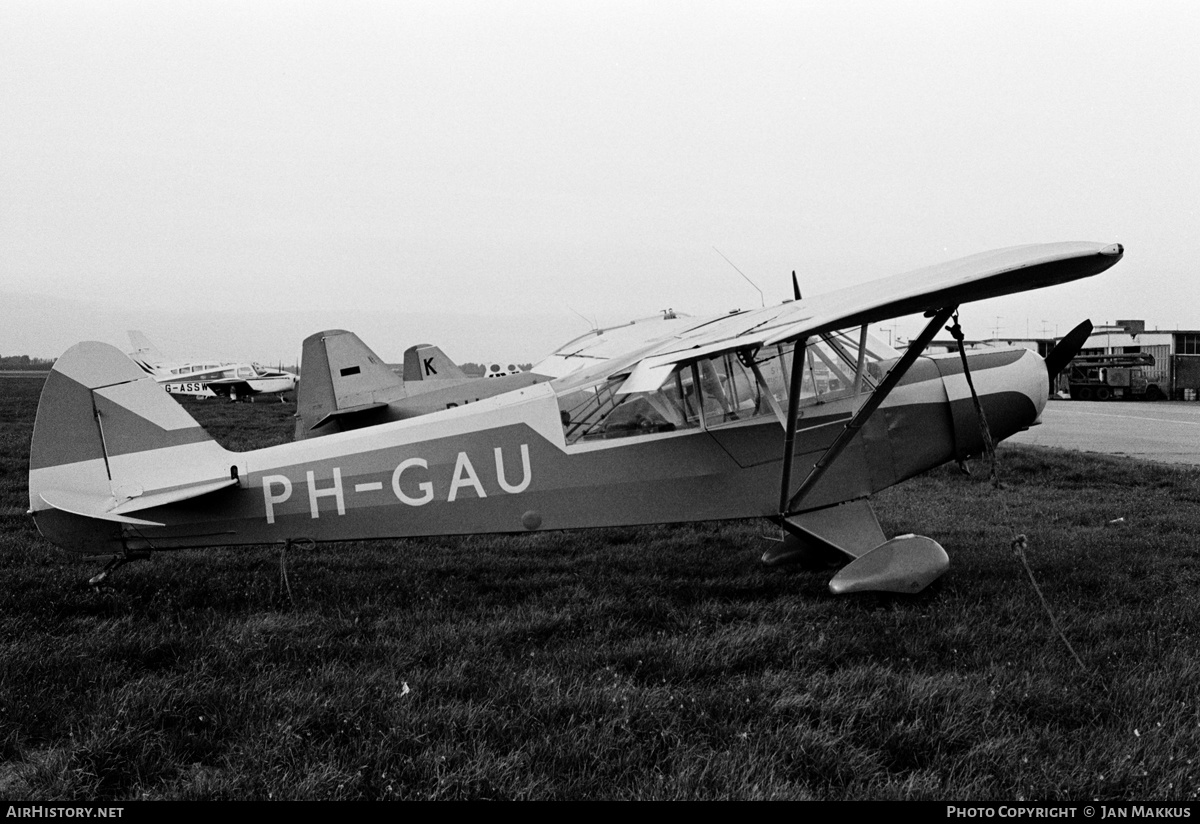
column 789, row 433
column 788, row 505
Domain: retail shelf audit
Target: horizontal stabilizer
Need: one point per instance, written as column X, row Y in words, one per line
column 173, row 496
column 89, row 506
column 343, row 414
column 906, row 564
column 105, row 507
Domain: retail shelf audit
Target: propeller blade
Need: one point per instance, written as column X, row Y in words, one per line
column 1068, row 348
column 795, row 285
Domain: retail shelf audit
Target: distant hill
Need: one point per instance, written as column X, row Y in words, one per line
column 42, row 326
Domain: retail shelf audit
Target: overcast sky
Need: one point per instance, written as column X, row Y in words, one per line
column 321, row 162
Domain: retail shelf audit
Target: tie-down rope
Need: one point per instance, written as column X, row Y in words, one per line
column 1019, row 541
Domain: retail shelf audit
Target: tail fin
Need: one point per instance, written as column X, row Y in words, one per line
column 341, row 379
column 145, row 354
column 108, row 441
column 426, row 362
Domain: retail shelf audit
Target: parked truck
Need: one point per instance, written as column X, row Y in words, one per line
column 1110, row 377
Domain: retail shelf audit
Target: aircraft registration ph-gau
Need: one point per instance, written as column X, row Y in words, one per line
column 793, row 413
column 416, row 490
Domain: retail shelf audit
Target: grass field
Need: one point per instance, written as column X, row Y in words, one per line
column 625, row 663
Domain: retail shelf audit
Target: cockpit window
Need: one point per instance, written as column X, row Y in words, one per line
column 725, row 389
column 728, row 390
column 598, row 412
column 833, row 367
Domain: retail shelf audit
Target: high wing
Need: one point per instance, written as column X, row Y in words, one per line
column 903, row 564
column 982, row 276
column 601, row 345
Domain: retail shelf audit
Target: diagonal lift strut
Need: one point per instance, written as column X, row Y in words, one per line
column 788, row 502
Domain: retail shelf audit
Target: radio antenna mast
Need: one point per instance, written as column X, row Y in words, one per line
column 761, row 299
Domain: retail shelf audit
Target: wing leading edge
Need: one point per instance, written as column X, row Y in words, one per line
column 978, row 277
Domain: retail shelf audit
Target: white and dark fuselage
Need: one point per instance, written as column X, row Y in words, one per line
column 233, row 380
column 506, row 464
column 207, row 379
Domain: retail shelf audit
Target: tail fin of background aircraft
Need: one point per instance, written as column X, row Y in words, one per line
column 107, row 442
column 341, row 378
column 145, row 354
column 426, row 362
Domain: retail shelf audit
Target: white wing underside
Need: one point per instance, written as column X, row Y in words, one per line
column 986, row 275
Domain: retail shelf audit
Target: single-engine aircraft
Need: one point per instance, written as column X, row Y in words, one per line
column 207, row 379
column 347, row 386
column 789, row 413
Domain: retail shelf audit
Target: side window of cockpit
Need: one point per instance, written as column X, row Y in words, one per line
column 729, row 390
column 679, row 393
column 636, row 415
column 773, row 364
column 600, row 412
column 833, row 367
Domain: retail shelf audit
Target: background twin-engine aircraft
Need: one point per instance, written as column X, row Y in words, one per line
column 792, row 413
column 206, row 379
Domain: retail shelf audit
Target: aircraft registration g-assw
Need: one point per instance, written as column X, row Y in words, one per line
column 790, row 413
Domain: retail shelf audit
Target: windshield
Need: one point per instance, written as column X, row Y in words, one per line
column 725, row 389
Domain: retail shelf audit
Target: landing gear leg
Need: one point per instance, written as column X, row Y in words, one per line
column 116, row 563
